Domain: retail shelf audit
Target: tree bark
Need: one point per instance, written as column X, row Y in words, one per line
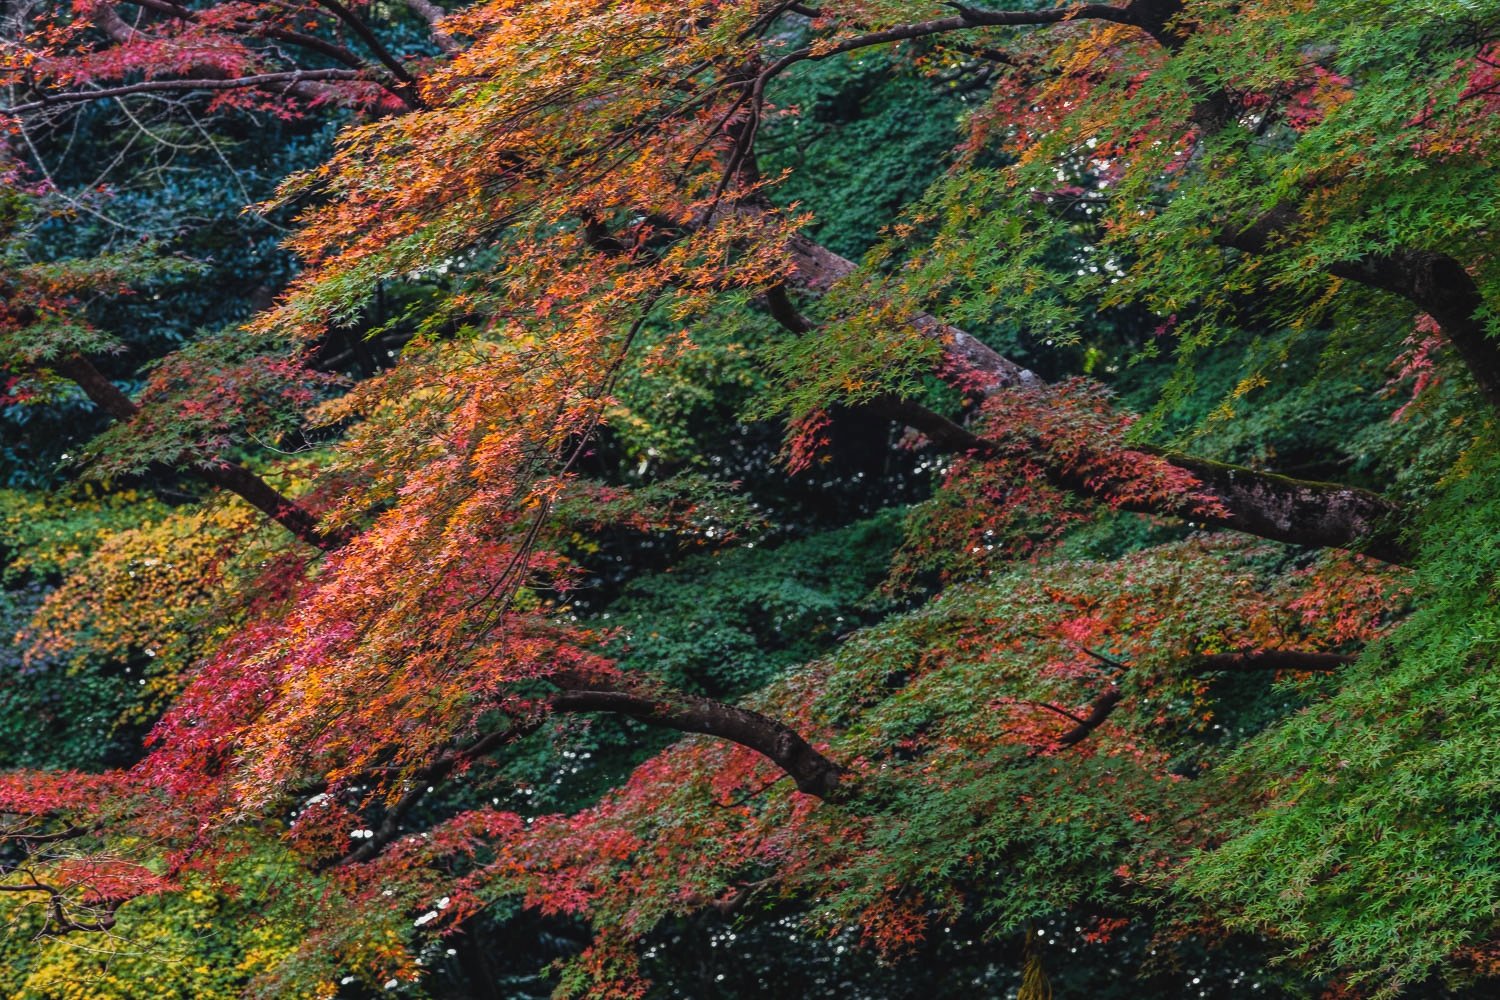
column 814, row 774
column 231, row 476
column 1280, row 508
column 1434, row 282
column 1099, row 712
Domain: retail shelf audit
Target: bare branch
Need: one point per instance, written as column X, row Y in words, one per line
column 264, row 81
column 967, row 18
column 408, row 89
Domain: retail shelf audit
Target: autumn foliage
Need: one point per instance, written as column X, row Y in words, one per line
column 1126, row 663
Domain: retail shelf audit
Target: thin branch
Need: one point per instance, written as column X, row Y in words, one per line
column 405, row 91
column 1138, row 14
column 268, row 81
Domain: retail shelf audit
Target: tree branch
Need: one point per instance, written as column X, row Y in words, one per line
column 408, row 89
column 1296, row 511
column 308, row 85
column 813, row 773
column 266, row 81
column 227, row 475
column 1434, row 282
column 1148, row 15
column 332, row 50
column 433, row 14
column 1099, row 711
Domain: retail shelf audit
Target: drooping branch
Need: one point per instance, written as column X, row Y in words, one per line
column 783, row 746
column 227, row 475
column 813, row 773
column 1296, row 511
column 1434, row 282
column 1440, row 287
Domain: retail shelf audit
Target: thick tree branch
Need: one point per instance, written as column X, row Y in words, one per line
column 1440, row 287
column 227, row 475
column 813, row 773
column 433, row 15
column 1296, row 511
column 817, row 269
column 1434, row 282
column 1099, row 711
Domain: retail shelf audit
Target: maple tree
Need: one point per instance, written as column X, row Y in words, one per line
column 1110, row 672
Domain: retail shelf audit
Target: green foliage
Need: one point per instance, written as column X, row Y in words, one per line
column 862, row 137
column 207, row 402
column 1287, row 402
column 52, row 715
column 1037, row 746
column 723, row 624
column 731, row 622
column 675, row 415
column 1381, row 858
